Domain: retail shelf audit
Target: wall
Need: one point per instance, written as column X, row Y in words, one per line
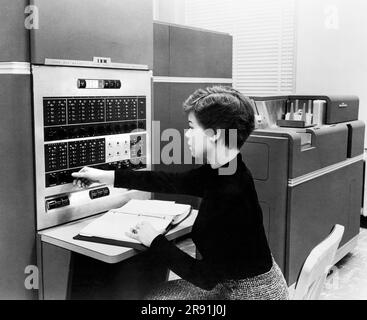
column 332, row 48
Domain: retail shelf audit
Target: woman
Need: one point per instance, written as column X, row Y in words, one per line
column 228, row 232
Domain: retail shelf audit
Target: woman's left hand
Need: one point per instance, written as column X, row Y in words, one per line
column 143, row 232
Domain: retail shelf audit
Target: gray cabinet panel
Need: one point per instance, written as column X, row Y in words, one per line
column 80, row 30
column 17, row 203
column 266, row 217
column 162, row 104
column 127, row 280
column 197, row 53
column 161, row 49
column 56, row 272
column 13, row 35
column 329, row 146
column 319, row 204
column 267, row 160
column 259, row 160
column 160, row 117
column 356, row 133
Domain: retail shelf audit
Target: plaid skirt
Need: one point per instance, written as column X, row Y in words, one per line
column 268, row 286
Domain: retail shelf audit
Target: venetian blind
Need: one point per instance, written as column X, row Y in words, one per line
column 263, row 40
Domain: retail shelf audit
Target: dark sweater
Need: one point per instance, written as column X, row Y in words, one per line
column 228, row 231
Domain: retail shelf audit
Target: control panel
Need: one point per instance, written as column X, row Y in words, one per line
column 87, row 117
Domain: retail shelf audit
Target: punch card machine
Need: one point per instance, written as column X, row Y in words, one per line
column 306, row 156
column 87, row 117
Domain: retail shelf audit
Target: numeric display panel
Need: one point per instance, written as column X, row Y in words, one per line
column 72, row 119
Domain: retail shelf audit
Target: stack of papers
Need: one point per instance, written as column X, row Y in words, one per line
column 111, row 228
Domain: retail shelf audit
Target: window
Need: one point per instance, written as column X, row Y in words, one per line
column 263, row 39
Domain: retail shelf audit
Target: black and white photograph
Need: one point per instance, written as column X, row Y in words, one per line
column 182, row 150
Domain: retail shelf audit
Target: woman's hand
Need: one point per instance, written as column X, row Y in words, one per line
column 143, row 232
column 87, row 175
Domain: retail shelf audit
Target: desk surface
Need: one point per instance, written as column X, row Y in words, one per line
column 62, row 236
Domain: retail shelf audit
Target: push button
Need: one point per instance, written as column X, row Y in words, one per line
column 82, row 84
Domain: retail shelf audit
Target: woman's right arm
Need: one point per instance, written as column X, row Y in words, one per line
column 189, row 182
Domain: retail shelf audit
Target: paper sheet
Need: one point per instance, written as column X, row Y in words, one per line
column 115, row 223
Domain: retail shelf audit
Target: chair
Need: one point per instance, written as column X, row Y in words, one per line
column 317, row 266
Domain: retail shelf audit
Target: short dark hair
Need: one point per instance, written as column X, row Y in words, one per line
column 222, row 107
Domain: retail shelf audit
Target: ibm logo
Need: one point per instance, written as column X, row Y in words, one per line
column 102, row 60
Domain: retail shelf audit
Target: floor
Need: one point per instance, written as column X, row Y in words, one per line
column 348, row 281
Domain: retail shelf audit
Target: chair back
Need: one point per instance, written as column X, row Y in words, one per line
column 317, row 266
